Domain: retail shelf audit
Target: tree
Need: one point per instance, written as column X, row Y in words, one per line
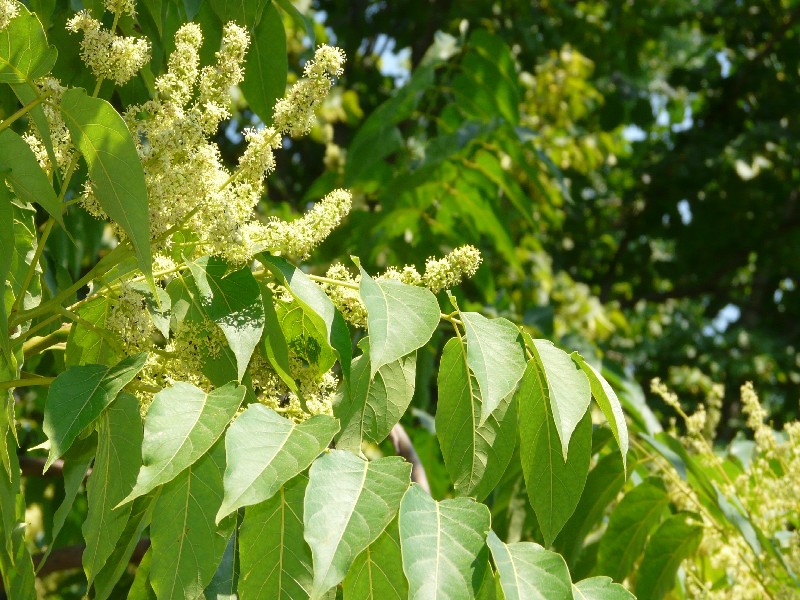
column 235, row 413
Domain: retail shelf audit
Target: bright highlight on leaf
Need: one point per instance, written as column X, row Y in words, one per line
column 370, row 406
column 568, row 389
column 349, row 502
column 265, row 450
column 115, row 170
column 495, row 357
column 529, row 572
column 442, row 543
column 182, row 424
column 400, row 319
column 78, row 396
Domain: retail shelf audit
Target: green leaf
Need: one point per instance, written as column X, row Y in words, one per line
column 233, row 302
column 76, row 464
column 276, row 561
column 371, row 406
column 140, row 589
column 27, row 93
column 600, row 588
column 16, row 567
column 26, row 177
column 676, row 539
column 349, row 502
column 187, row 545
column 182, row 423
column 220, row 368
column 301, row 22
column 117, row 563
column 476, row 455
column 401, row 318
column 603, row 484
column 495, row 356
column 554, row 486
column 568, row 389
column 225, row 581
column 113, row 476
column 6, row 259
column 267, row 65
column 159, row 305
column 245, row 12
column 86, row 345
column 305, row 335
column 25, row 245
column 441, row 544
column 316, row 304
column 529, row 572
column 24, row 53
column 637, row 514
column 377, row 573
column 265, row 450
column 607, row 399
column 78, row 396
column 275, row 347
column 101, row 135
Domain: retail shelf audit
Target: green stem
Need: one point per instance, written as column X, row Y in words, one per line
column 328, row 280
column 39, row 326
column 26, row 382
column 110, row 260
column 39, row 344
column 23, row 111
column 106, row 335
column 48, row 227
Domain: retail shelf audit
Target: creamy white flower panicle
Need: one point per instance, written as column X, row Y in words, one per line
column 109, row 56
column 447, row 272
column 59, row 134
column 121, row 7
column 187, row 183
column 258, row 160
column 128, row 318
column 299, row 237
column 346, row 298
column 294, row 114
column 177, row 84
column 8, row 10
column 216, row 81
column 440, row 274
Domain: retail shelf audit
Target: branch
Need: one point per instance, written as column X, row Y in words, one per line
column 33, row 466
column 71, row 557
column 403, row 446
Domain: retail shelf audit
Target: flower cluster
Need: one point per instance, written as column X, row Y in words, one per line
column 346, row 297
column 8, row 10
column 439, row 274
column 121, row 7
column 63, row 149
column 294, row 114
column 766, row 488
column 109, row 56
column 299, row 237
column 130, row 320
column 316, row 390
column 188, row 185
column 447, row 272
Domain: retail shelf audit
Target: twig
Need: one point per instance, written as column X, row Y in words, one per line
column 403, row 446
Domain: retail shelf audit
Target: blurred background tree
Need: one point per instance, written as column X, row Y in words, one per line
column 628, row 170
